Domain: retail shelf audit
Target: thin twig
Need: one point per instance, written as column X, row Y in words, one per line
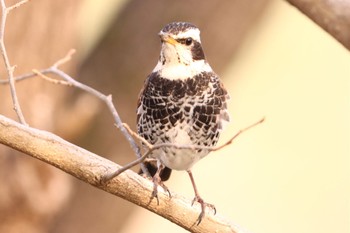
column 16, row 5
column 117, row 172
column 137, row 136
column 237, row 134
column 64, row 59
column 24, row 76
column 107, row 99
column 8, row 66
column 54, row 69
column 152, row 148
column 47, row 78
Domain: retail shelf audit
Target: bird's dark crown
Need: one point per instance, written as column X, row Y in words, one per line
column 177, row 27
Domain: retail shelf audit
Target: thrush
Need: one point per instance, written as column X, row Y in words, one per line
column 183, row 102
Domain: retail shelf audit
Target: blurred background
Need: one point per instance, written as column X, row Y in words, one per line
column 290, row 174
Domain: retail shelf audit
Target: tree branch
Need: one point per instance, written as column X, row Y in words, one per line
column 90, row 168
column 332, row 16
column 69, row 81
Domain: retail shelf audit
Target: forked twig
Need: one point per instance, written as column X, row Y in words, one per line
column 52, row 80
column 107, row 99
column 68, row 80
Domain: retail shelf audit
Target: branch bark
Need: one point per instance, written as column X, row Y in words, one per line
column 90, row 168
column 332, row 16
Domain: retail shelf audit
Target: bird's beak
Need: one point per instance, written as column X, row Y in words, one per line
column 168, row 39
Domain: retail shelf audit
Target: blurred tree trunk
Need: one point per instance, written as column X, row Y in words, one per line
column 332, row 16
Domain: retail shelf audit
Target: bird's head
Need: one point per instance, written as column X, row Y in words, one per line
column 181, row 43
column 181, row 54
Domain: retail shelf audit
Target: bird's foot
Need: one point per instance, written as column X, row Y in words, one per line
column 157, row 181
column 203, row 206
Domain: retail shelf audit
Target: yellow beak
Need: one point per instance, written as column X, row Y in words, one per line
column 169, row 39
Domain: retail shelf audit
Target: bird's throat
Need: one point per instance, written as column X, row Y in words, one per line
column 174, row 70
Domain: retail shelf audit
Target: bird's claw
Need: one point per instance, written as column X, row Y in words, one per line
column 158, row 182
column 203, row 206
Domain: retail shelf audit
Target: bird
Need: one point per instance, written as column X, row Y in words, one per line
column 182, row 102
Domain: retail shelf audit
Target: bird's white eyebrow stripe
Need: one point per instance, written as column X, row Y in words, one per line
column 194, row 33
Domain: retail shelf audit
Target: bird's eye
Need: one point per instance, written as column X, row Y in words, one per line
column 188, row 41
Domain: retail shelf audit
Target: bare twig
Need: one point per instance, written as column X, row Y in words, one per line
column 5, row 10
column 16, row 5
column 90, row 168
column 106, row 99
column 191, row 147
column 64, row 59
column 151, row 148
column 24, row 76
column 237, row 134
column 47, row 78
column 68, row 80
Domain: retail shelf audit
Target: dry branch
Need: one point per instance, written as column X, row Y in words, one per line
column 90, row 168
column 69, row 81
column 332, row 16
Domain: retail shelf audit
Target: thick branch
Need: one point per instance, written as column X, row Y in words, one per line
column 90, row 168
column 332, row 16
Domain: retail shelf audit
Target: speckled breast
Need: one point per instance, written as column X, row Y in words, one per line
column 184, row 112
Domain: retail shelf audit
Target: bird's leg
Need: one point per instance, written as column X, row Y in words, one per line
column 200, row 200
column 158, row 181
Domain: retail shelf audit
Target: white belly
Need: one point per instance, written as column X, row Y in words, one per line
column 179, row 159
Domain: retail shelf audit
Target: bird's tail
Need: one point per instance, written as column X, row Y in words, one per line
column 152, row 169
